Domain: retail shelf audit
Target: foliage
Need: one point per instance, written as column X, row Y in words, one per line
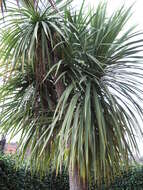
column 131, row 179
column 18, row 179
column 72, row 86
column 128, row 180
column 12, row 178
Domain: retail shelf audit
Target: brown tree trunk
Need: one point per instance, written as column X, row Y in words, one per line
column 2, row 143
column 75, row 181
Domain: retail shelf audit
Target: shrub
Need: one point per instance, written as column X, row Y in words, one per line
column 129, row 180
column 21, row 179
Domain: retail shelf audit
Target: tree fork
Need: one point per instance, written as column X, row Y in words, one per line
column 75, row 181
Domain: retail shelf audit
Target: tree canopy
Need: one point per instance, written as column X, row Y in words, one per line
column 72, row 85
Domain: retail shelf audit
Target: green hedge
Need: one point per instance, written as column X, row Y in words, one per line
column 131, row 180
column 19, row 179
column 127, row 180
column 12, row 179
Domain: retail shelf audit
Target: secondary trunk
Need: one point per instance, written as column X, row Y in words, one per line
column 75, row 181
column 2, row 143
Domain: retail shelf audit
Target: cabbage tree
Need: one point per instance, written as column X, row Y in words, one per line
column 72, row 87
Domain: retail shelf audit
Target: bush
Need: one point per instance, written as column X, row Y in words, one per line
column 20, row 179
column 12, row 179
column 129, row 180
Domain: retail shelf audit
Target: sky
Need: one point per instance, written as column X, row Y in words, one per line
column 137, row 18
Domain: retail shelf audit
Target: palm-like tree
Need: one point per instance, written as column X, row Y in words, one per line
column 72, row 87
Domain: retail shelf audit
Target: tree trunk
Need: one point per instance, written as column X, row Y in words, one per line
column 75, row 181
column 2, row 143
